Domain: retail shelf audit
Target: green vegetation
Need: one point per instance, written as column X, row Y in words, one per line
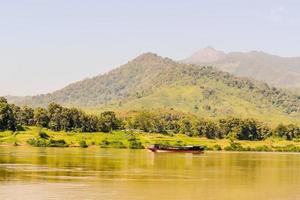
column 137, row 140
column 83, row 144
column 56, row 118
column 153, row 82
column 72, row 120
column 46, row 143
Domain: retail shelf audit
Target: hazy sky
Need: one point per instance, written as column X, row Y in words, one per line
column 47, row 44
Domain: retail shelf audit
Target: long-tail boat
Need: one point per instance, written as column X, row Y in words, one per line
column 181, row 149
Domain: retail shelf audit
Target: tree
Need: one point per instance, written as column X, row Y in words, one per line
column 288, row 132
column 41, row 117
column 76, row 117
column 3, row 100
column 159, row 125
column 186, row 127
column 26, row 116
column 207, row 129
column 244, row 129
column 143, row 121
column 66, row 120
column 108, row 121
column 7, row 118
column 55, row 116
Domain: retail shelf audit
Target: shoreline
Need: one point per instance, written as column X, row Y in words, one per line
column 98, row 147
column 139, row 140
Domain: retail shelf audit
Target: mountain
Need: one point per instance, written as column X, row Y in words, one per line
column 275, row 70
column 152, row 82
column 206, row 55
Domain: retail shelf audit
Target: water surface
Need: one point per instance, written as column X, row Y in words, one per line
column 112, row 174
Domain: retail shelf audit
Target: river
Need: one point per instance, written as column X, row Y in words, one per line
column 116, row 174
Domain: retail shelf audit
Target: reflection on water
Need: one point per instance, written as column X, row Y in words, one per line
column 71, row 173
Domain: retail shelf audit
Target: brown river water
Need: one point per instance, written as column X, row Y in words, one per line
column 115, row 174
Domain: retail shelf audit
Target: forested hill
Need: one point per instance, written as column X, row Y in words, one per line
column 150, row 81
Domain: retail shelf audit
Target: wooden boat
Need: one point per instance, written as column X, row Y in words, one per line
column 180, row 149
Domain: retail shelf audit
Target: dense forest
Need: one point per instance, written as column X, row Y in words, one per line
column 59, row 118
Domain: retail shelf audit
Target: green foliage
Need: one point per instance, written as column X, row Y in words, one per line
column 262, row 148
column 186, row 127
column 234, row 146
column 108, row 121
column 168, row 122
column 117, row 144
column 121, row 139
column 207, row 129
column 83, row 144
column 217, row 147
column 135, row 143
column 288, row 132
column 40, row 142
column 41, row 117
column 23, row 115
column 244, row 129
column 57, row 143
column 7, row 117
column 3, row 100
column 43, row 135
column 19, row 127
column 288, row 148
column 143, row 121
column 105, row 143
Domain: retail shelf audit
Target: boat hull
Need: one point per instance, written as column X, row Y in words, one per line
column 174, row 151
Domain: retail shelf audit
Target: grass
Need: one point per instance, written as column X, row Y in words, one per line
column 136, row 140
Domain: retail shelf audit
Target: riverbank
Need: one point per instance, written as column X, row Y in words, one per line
column 35, row 136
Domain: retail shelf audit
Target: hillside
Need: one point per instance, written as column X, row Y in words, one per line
column 150, row 81
column 274, row 70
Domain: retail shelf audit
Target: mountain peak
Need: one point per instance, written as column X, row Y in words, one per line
column 205, row 55
column 147, row 56
column 209, row 48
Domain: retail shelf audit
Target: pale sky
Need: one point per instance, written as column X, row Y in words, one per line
column 47, row 44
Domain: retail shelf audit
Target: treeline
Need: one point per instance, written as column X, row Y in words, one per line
column 167, row 122
column 56, row 118
column 59, row 118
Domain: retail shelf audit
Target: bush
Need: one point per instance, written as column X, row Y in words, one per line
column 180, row 143
column 135, row 143
column 19, row 127
column 206, row 148
column 262, row 148
column 38, row 142
column 112, row 144
column 217, row 147
column 234, row 146
column 58, row 143
column 287, row 148
column 104, row 143
column 83, row 144
column 43, row 135
column 117, row 144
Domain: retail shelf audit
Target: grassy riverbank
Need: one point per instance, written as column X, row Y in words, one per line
column 128, row 139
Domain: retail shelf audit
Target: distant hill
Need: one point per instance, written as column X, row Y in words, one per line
column 274, row 70
column 152, row 82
